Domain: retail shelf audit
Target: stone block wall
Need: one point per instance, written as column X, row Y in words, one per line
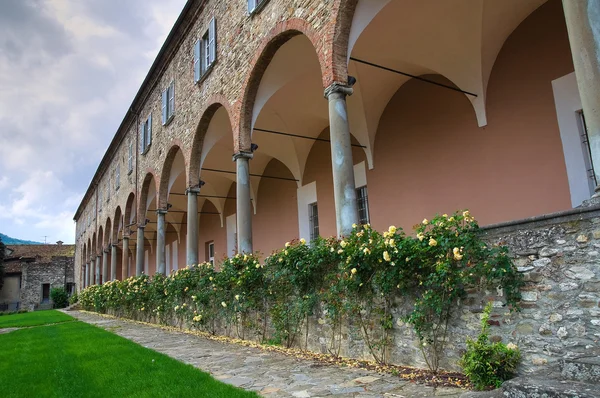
column 57, row 273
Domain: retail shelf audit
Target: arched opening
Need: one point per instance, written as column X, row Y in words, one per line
column 173, row 199
column 130, row 231
column 147, row 206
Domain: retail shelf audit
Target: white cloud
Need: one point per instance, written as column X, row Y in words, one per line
column 68, row 72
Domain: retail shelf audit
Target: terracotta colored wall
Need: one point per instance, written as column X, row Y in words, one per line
column 318, row 168
column 430, row 155
column 276, row 219
column 211, row 230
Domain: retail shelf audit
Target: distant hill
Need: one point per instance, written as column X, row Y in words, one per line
column 7, row 240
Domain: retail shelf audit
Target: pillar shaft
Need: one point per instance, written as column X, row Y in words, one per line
column 113, row 262
column 139, row 252
column 161, row 258
column 243, row 203
column 104, row 276
column 98, row 265
column 125, row 265
column 91, row 271
column 582, row 17
column 344, row 190
column 192, row 226
column 86, row 275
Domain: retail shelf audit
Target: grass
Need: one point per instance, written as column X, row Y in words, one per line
column 33, row 319
column 76, row 359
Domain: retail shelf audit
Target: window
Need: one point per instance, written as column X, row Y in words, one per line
column 587, row 152
column 118, row 177
column 363, row 205
column 146, row 135
column 205, row 51
column 168, row 103
column 210, row 252
column 255, row 5
column 313, row 219
column 130, row 158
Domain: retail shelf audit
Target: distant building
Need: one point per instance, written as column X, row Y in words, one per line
column 31, row 271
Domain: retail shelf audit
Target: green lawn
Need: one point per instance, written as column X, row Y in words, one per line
column 33, row 319
column 79, row 360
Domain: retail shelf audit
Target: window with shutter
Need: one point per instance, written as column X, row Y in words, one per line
column 212, row 41
column 168, row 103
column 149, row 130
column 164, row 107
column 255, row 5
column 142, row 138
column 197, row 61
column 145, row 136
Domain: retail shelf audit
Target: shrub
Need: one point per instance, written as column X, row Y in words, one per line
column 74, row 298
column 488, row 364
column 59, row 297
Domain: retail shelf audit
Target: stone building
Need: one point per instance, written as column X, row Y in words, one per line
column 31, row 271
column 430, row 106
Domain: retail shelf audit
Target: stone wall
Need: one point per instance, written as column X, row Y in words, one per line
column 57, row 273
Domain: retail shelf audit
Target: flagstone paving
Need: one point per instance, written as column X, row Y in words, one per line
column 271, row 374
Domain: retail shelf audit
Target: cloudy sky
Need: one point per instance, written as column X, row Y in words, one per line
column 69, row 70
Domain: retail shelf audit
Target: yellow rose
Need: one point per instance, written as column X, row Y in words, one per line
column 366, row 250
column 340, row 251
column 343, row 243
column 224, row 304
column 420, row 236
column 303, row 241
column 392, row 243
column 354, row 225
column 425, row 221
column 392, row 229
column 432, row 242
column 456, row 251
column 466, row 213
column 287, row 244
column 237, row 297
column 386, row 256
column 280, row 259
column 445, row 215
column 512, row 346
column 353, row 271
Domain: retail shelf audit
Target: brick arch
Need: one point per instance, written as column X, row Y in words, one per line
column 176, row 146
column 278, row 36
column 214, row 102
column 108, row 231
column 338, row 35
column 141, row 210
column 129, row 206
column 116, row 222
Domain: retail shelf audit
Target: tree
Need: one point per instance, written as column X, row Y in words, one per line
column 2, row 249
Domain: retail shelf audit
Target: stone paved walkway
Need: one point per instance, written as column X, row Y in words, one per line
column 270, row 374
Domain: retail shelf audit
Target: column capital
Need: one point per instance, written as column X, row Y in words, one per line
column 192, row 190
column 161, row 211
column 242, row 155
column 125, row 237
column 113, row 245
column 141, row 226
column 105, row 250
column 338, row 88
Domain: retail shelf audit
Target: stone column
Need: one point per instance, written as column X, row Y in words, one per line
column 243, row 203
column 98, row 262
column 86, row 275
column 161, row 259
column 113, row 262
column 192, row 226
column 139, row 252
column 583, row 25
column 344, row 191
column 91, row 271
column 104, row 266
column 125, row 273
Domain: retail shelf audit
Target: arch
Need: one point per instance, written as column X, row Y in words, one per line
column 117, row 225
column 100, row 246
column 130, row 213
column 166, row 179
column 108, row 233
column 148, row 190
column 278, row 36
column 215, row 103
column 91, row 245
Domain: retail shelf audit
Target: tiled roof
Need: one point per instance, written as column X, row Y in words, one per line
column 42, row 253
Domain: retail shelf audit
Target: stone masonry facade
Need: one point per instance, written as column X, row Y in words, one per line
column 245, row 44
column 59, row 272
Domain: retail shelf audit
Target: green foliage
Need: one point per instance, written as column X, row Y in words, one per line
column 448, row 256
column 59, row 297
column 358, row 280
column 2, row 250
column 74, row 298
column 488, row 364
